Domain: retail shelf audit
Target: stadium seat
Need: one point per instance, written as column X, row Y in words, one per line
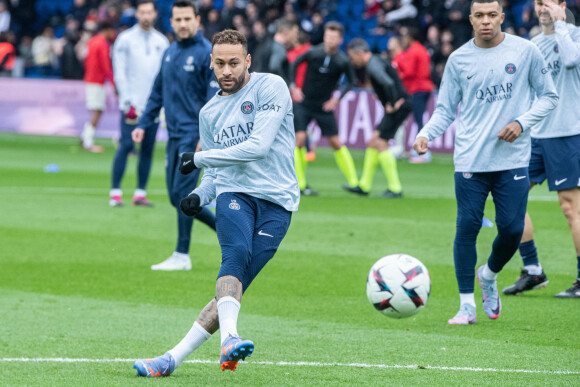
column 372, row 42
column 358, row 8
column 342, row 8
column 354, row 26
column 383, row 41
column 370, row 23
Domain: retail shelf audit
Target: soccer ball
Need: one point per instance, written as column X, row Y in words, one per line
column 398, row 285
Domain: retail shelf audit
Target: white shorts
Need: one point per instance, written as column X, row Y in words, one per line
column 95, row 96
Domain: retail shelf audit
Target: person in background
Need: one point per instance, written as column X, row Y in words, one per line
column 326, row 65
column 98, row 68
column 137, row 56
column 43, row 52
column 273, row 57
column 7, row 56
column 414, row 68
column 394, row 98
column 184, row 84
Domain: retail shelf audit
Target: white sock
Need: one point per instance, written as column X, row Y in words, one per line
column 181, row 256
column 196, row 336
column 467, row 298
column 228, row 310
column 534, row 269
column 116, row 192
column 88, row 135
column 140, row 193
column 487, row 274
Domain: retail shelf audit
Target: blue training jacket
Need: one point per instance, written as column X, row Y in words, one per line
column 183, row 85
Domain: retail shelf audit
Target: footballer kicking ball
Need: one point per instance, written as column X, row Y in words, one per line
column 398, row 285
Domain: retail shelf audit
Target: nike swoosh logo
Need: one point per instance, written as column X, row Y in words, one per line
column 187, row 162
column 470, row 76
column 264, row 234
column 558, row 182
column 516, row 177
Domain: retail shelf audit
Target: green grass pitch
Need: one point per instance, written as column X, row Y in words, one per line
column 75, row 284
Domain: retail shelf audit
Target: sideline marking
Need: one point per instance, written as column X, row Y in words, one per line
column 301, row 364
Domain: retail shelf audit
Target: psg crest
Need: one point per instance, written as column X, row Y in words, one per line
column 510, row 68
column 247, row 107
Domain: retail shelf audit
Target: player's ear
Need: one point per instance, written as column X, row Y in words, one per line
column 502, row 18
column 248, row 60
column 211, row 61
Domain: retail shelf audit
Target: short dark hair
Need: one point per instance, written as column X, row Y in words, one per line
column 230, row 37
column 334, row 26
column 486, row 1
column 184, row 4
column 139, row 2
column 285, row 24
column 415, row 34
column 105, row 25
column 358, row 44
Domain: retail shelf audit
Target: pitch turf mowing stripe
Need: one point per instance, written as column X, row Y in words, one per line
column 81, row 327
column 301, row 364
column 337, row 194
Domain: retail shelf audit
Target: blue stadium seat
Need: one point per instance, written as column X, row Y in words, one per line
column 383, row 42
column 370, row 23
column 59, row 31
column 358, row 8
column 66, row 6
column 354, row 26
column 517, row 10
column 342, row 8
column 372, row 41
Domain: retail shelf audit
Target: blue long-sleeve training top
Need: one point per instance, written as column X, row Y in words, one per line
column 495, row 86
column 248, row 143
column 183, row 85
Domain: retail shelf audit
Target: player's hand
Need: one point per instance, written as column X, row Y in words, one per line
column 556, row 12
column 389, row 109
column 190, row 205
column 510, row 132
column 137, row 135
column 297, row 94
column 421, row 145
column 330, row 105
column 186, row 165
column 399, row 103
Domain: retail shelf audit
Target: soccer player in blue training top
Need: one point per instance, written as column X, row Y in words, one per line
column 182, row 86
column 556, row 141
column 494, row 76
column 247, row 137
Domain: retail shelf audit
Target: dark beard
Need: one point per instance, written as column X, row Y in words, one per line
column 237, row 85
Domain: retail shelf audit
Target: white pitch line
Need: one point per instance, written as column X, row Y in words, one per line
column 302, row 364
